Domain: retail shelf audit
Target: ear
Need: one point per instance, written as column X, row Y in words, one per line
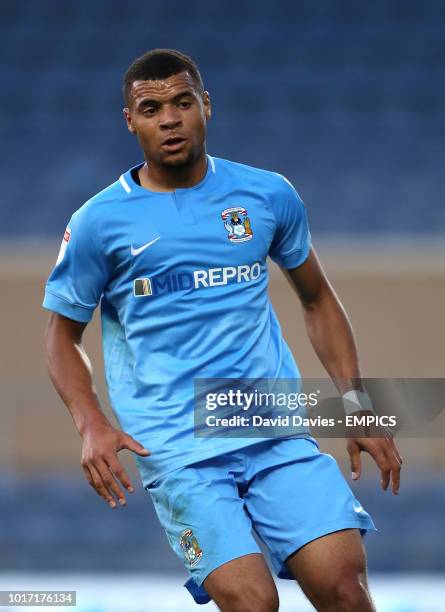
column 207, row 104
column 129, row 120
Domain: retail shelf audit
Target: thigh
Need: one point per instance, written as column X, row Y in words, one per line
column 301, row 500
column 243, row 584
column 332, row 568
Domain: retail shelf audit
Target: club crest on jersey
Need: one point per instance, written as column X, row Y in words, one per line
column 237, row 224
column 190, row 547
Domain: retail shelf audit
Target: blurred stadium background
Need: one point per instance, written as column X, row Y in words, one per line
column 344, row 98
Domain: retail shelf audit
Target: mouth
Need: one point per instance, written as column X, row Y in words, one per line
column 174, row 143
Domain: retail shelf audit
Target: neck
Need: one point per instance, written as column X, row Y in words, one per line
column 160, row 178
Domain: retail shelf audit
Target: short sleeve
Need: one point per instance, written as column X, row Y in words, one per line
column 292, row 240
column 77, row 281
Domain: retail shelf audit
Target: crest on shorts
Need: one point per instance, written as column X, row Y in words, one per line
column 190, row 547
column 237, row 224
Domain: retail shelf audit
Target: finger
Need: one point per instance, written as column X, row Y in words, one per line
column 133, row 445
column 385, row 468
column 395, row 474
column 96, row 482
column 120, row 473
column 110, row 481
column 385, row 479
column 393, row 464
column 395, row 477
column 356, row 462
column 88, row 475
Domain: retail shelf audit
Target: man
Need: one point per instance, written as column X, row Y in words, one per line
column 175, row 251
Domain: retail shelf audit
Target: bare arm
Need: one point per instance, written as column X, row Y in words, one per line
column 332, row 337
column 327, row 323
column 71, row 373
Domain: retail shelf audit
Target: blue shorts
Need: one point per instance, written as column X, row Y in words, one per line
column 287, row 491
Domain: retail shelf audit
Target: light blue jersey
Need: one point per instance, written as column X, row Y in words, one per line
column 182, row 282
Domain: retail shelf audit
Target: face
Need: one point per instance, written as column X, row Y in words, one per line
column 169, row 119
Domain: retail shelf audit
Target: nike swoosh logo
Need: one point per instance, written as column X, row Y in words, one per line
column 143, row 247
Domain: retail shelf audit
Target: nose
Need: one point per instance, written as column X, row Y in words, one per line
column 170, row 117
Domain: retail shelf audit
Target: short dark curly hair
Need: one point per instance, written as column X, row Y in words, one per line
column 160, row 64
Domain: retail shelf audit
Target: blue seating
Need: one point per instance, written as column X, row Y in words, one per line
column 57, row 522
column 345, row 100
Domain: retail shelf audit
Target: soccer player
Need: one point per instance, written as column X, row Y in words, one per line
column 175, row 252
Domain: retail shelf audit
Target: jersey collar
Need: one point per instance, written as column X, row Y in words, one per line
column 130, row 186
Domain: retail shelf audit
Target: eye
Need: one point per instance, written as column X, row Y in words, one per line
column 149, row 111
column 184, row 104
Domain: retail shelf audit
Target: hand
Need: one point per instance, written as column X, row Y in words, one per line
column 384, row 452
column 101, row 465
